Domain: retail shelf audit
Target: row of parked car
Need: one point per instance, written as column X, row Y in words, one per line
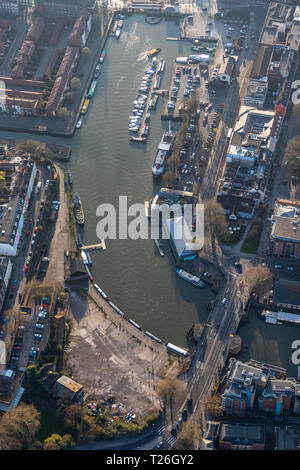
column 43, row 314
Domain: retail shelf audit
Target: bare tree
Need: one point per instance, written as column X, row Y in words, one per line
column 291, row 160
column 169, row 390
column 186, row 437
column 215, row 221
column 212, row 406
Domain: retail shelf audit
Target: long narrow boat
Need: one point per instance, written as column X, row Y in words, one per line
column 92, row 89
column 85, row 106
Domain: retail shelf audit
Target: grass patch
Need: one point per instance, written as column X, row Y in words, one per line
column 251, row 243
column 236, row 236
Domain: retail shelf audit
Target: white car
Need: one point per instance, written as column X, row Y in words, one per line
column 224, row 301
column 231, row 29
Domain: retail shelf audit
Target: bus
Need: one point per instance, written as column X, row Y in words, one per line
column 229, row 135
column 85, row 106
column 175, row 349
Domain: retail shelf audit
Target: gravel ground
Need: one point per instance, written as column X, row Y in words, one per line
column 107, row 357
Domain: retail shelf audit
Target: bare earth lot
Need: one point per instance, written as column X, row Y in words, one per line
column 108, row 357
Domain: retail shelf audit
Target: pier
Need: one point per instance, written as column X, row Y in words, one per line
column 153, row 95
column 95, row 247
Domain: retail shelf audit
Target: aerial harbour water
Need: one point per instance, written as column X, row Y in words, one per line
column 105, row 164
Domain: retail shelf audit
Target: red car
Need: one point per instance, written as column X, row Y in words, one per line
column 26, row 269
column 35, row 229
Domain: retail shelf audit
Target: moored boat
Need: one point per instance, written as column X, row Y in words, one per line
column 140, row 140
column 153, row 52
column 78, row 210
column 163, row 152
column 101, row 60
column 85, row 106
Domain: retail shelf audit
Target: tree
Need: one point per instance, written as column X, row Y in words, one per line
column 63, row 113
column 86, row 52
column 18, row 427
column 73, row 418
column 215, row 223
column 53, row 442
column 29, row 145
column 186, row 438
column 258, row 279
column 291, row 159
column 68, row 97
column 50, row 445
column 169, row 390
column 212, row 406
column 75, row 83
column 67, row 442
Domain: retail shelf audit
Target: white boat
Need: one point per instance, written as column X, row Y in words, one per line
column 195, row 280
column 163, row 152
column 79, row 123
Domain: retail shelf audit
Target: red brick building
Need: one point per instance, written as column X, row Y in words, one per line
column 36, row 29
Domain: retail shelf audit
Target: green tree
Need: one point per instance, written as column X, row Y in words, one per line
column 86, row 52
column 75, row 83
column 68, row 97
column 63, row 113
column 67, row 442
column 73, row 418
column 53, row 442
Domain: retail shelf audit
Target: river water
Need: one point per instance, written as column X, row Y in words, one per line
column 105, row 165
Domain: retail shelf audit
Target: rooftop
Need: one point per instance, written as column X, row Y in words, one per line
column 69, row 384
column 287, row 292
column 242, row 433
